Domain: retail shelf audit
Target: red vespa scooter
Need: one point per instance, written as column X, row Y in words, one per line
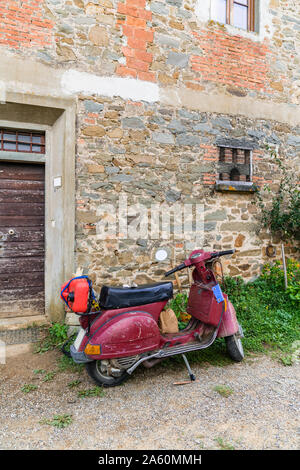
column 124, row 333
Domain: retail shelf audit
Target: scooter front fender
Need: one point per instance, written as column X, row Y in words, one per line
column 229, row 325
column 127, row 334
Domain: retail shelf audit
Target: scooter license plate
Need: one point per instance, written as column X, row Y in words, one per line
column 79, row 338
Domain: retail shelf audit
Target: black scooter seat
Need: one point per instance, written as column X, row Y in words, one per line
column 121, row 297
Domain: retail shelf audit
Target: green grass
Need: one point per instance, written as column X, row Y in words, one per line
column 223, row 444
column 215, row 355
column 59, row 421
column 91, row 392
column 49, row 376
column 39, row 371
column 74, row 383
column 287, row 360
column 27, row 388
column 223, row 390
column 66, row 364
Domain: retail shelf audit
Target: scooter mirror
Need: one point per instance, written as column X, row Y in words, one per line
column 161, row 255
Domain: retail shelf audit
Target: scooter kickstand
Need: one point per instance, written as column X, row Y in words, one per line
column 192, row 377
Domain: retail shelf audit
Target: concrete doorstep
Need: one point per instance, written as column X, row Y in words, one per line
column 17, row 323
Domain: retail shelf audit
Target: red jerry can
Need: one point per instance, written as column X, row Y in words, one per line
column 75, row 294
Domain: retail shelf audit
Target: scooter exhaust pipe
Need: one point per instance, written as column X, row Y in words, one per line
column 140, row 361
column 148, row 364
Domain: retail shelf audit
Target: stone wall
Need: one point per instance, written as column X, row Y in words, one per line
column 164, row 155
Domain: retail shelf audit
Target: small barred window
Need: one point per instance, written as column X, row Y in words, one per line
column 235, row 164
column 22, row 141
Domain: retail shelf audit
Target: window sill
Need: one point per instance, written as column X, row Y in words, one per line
column 235, row 186
column 242, row 32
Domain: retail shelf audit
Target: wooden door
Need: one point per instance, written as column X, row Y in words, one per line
column 22, row 235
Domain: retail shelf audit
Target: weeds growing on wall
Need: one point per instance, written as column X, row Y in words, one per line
column 282, row 216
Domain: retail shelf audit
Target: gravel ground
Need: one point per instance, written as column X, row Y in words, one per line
column 148, row 411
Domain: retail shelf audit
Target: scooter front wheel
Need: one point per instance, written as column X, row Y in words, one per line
column 101, row 374
column 235, row 348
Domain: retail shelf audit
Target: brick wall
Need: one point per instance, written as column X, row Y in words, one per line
column 133, row 21
column 22, row 23
column 231, row 60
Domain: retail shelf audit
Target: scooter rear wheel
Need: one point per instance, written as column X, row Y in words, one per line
column 235, row 348
column 103, row 378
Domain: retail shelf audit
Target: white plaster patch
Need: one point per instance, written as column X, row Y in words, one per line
column 73, row 82
column 203, row 11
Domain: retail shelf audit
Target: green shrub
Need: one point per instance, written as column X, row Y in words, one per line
column 267, row 312
column 274, row 275
column 281, row 215
column 179, row 304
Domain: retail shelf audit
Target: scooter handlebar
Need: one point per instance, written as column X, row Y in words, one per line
column 222, row 253
column 213, row 255
column 178, row 268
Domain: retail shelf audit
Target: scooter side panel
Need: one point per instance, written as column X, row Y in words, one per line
column 126, row 334
column 229, row 325
column 155, row 310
